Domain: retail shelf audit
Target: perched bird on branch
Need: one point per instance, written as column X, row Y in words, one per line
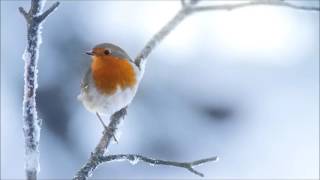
column 111, row 81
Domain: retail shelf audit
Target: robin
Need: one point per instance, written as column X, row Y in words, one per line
column 111, row 81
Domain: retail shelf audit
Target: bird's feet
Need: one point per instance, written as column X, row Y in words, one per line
column 108, row 130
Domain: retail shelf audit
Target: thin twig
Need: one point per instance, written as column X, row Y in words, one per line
column 254, row 3
column 24, row 13
column 135, row 158
column 32, row 124
column 187, row 9
column 48, row 11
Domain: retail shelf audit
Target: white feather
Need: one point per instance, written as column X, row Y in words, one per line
column 103, row 104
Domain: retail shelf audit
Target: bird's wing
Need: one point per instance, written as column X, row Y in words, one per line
column 85, row 81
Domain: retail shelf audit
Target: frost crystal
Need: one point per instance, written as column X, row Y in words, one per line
column 134, row 160
column 151, row 164
column 32, row 161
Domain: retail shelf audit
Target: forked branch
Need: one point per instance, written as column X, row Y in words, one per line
column 188, row 7
column 135, row 158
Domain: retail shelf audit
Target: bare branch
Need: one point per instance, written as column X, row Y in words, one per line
column 32, row 125
column 135, row 158
column 102, row 146
column 24, row 13
column 96, row 157
column 254, row 3
column 47, row 12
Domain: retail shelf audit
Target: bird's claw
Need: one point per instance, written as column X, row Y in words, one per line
column 110, row 131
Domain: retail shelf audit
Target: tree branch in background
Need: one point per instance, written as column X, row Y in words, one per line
column 188, row 7
column 183, row 3
column 31, row 123
column 192, row 8
column 158, row 37
column 135, row 158
column 254, row 3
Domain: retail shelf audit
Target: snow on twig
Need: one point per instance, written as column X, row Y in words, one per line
column 31, row 122
column 135, row 158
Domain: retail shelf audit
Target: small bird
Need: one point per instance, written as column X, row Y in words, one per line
column 111, row 81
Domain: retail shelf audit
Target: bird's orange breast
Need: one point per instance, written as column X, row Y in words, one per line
column 109, row 73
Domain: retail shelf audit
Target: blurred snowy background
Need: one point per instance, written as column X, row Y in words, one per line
column 243, row 85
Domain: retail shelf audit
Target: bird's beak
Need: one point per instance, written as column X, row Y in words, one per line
column 89, row 53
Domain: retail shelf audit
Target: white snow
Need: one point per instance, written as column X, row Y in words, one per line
column 134, row 161
column 29, row 104
column 32, row 161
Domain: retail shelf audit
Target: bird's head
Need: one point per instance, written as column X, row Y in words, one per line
column 107, row 51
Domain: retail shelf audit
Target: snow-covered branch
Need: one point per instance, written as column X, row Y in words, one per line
column 102, row 146
column 135, row 158
column 31, row 123
column 188, row 7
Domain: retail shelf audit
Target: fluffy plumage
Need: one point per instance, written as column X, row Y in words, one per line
column 111, row 81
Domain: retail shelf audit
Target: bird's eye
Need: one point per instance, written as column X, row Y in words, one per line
column 107, row 52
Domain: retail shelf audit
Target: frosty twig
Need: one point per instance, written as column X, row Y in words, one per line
column 31, row 123
column 135, row 158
